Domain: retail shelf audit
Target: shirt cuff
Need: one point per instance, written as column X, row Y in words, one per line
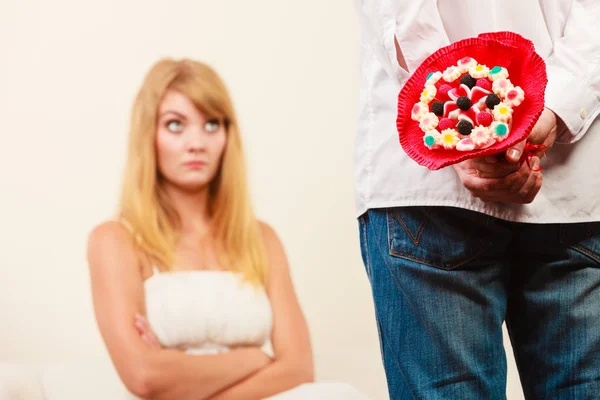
column 573, row 101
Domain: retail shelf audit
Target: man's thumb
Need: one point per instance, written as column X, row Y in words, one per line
column 513, row 154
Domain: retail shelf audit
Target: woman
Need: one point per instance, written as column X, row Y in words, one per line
column 189, row 288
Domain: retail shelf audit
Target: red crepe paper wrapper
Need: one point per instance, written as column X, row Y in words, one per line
column 506, row 49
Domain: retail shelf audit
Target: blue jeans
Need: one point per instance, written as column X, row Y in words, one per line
column 444, row 280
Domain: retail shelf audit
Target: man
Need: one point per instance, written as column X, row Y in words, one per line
column 453, row 253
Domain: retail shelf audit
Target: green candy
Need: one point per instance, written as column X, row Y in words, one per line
column 429, row 140
column 501, row 130
column 429, row 76
column 495, row 70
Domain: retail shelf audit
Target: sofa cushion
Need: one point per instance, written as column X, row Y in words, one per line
column 90, row 380
column 20, row 382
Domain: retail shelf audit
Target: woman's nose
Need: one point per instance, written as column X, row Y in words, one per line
column 196, row 141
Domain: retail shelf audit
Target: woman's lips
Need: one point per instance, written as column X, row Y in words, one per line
column 195, row 164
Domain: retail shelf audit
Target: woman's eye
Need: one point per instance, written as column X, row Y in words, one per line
column 212, row 126
column 174, row 126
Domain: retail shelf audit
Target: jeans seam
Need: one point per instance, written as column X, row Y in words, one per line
column 363, row 224
column 397, row 253
column 394, row 277
column 380, row 336
column 583, row 250
column 410, row 257
column 416, row 239
column 524, row 385
column 578, row 248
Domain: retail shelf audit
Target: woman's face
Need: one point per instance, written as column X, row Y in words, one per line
column 188, row 146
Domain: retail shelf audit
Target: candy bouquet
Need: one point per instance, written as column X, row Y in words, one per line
column 474, row 98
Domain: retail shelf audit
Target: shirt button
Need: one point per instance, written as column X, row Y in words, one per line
column 583, row 113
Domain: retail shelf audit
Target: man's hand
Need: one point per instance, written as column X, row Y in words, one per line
column 520, row 186
column 502, row 177
column 500, row 165
column 544, row 132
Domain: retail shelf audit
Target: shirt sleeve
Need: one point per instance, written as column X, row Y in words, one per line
column 573, row 90
column 419, row 29
column 416, row 25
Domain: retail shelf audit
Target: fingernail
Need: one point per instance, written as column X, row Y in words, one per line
column 514, row 154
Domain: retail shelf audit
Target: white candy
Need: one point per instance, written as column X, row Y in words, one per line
column 465, row 117
column 479, row 71
column 502, row 74
column 502, row 112
column 514, row 97
column 451, row 74
column 501, row 87
column 465, row 144
column 465, row 64
column 419, row 109
column 431, row 139
column 481, row 136
column 434, row 78
column 428, row 122
column 449, row 138
column 499, row 130
column 428, row 93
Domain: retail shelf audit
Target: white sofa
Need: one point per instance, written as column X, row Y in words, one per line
column 97, row 380
column 19, row 382
column 72, row 380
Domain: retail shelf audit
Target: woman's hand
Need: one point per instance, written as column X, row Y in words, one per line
column 146, row 333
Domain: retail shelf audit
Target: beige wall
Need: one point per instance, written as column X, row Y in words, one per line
column 68, row 72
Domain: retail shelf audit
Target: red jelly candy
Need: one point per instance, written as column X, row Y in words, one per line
column 484, row 118
column 442, row 92
column 484, row 83
column 446, row 123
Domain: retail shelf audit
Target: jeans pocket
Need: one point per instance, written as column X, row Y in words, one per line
column 583, row 238
column 441, row 237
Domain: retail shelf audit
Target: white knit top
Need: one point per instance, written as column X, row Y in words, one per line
column 207, row 312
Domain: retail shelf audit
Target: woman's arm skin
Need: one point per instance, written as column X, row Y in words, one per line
column 293, row 363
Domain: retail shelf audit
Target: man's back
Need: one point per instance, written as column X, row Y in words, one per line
column 565, row 35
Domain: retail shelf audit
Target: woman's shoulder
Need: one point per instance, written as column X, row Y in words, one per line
column 112, row 230
column 273, row 246
column 111, row 238
column 268, row 234
column 265, row 228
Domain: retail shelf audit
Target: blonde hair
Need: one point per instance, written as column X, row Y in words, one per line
column 145, row 206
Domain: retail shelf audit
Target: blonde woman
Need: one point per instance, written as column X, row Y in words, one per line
column 189, row 289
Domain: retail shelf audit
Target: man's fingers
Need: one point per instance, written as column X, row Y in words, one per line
column 498, row 170
column 488, row 186
column 514, row 153
column 528, row 185
column 531, row 179
column 519, row 178
column 511, row 184
column 535, row 190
